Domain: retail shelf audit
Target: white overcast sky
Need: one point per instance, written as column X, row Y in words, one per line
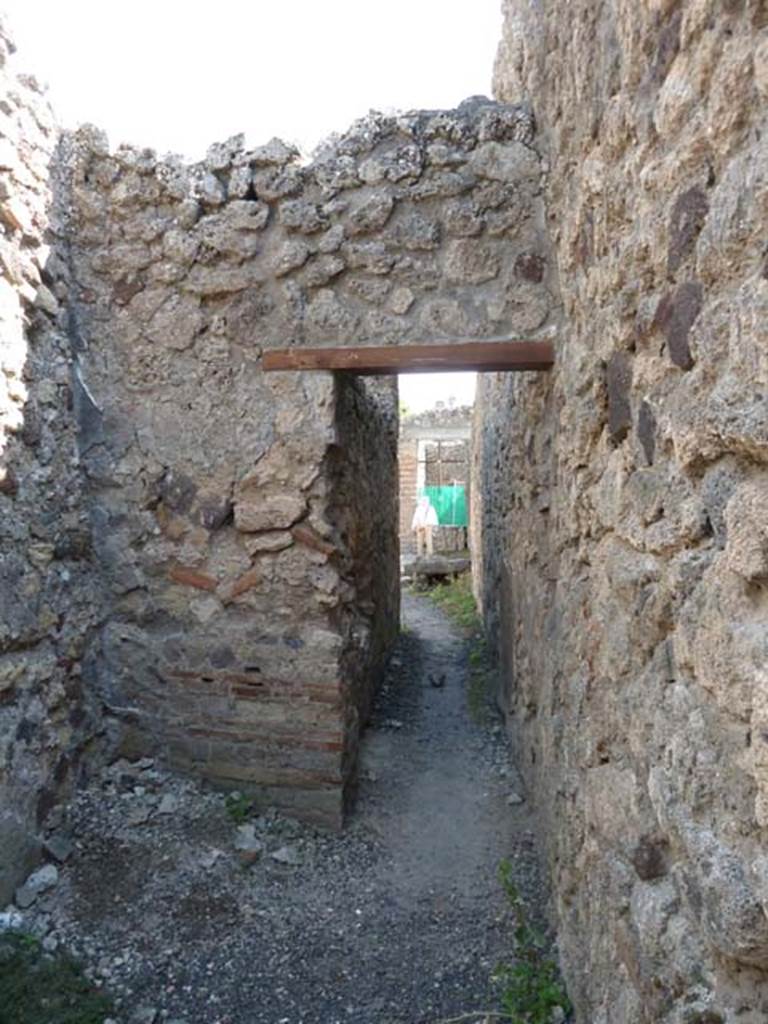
column 177, row 76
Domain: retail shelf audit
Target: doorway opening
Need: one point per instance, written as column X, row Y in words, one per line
column 434, row 456
column 364, row 487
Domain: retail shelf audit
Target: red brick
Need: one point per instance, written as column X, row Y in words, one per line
column 191, row 578
column 246, row 582
column 305, row 535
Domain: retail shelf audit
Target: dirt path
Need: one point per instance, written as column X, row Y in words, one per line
column 398, row 921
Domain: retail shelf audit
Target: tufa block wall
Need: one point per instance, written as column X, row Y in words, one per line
column 625, row 552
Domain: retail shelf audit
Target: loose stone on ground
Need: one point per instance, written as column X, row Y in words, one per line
column 190, row 916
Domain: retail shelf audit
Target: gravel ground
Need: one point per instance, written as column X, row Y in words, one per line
column 399, row 920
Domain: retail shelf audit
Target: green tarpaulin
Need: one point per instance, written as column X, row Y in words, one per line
column 450, row 503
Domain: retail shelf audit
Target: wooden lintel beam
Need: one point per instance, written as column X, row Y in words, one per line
column 389, row 359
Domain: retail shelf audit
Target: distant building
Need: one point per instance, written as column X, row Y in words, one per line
column 433, row 454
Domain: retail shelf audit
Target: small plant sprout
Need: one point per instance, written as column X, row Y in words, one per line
column 238, row 807
column 530, row 987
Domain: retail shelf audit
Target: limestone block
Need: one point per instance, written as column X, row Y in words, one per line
column 442, row 318
column 134, row 190
column 329, row 319
column 246, row 214
column 718, row 892
column 25, row 670
column 392, row 163
column 176, row 323
column 256, row 511
column 332, row 239
column 716, row 638
column 470, row 262
column 221, row 154
column 438, row 154
column 441, row 184
column 370, row 289
column 415, row 232
column 506, row 162
column 46, row 300
column 526, row 306
column 323, row 269
column 302, row 216
column 272, row 540
column 218, row 239
column 180, row 246
column 401, row 300
column 731, row 420
column 271, row 183
column 737, row 208
column 239, row 182
column 676, row 98
column 746, row 551
column 372, row 214
column 16, row 215
column 206, row 281
column 210, row 190
column 730, row 93
column 273, row 152
column 462, row 218
column 373, row 257
column 292, row 255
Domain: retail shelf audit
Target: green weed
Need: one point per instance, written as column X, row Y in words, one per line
column 38, row 988
column 530, row 988
column 239, row 807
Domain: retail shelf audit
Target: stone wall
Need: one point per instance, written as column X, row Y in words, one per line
column 47, row 586
column 365, row 512
column 625, row 552
column 244, row 621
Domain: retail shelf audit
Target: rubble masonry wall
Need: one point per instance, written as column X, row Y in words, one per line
column 624, row 527
column 49, row 594
column 245, row 523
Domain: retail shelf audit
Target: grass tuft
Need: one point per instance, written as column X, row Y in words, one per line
column 41, row 988
column 457, row 601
